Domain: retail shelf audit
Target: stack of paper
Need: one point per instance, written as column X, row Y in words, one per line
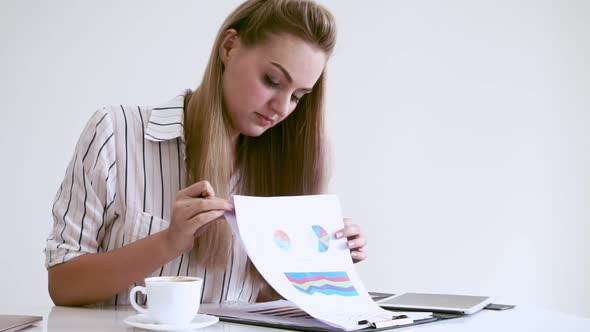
column 286, row 315
column 291, row 241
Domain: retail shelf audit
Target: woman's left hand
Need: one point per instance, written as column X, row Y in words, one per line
column 356, row 240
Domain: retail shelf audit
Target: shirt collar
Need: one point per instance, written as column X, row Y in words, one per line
column 166, row 121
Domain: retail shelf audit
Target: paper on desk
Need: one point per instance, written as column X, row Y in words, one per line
column 291, row 241
column 279, row 313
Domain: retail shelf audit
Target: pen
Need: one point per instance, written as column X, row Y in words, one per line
column 395, row 320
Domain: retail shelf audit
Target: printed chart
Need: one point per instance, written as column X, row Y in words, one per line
column 327, row 283
column 321, row 238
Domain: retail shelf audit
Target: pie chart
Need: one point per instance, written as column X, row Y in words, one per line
column 321, row 238
column 282, row 240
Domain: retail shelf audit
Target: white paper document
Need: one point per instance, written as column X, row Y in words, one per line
column 292, row 243
column 279, row 313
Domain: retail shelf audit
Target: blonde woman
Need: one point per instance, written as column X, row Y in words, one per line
column 146, row 189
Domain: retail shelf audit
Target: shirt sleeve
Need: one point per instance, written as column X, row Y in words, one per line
column 84, row 206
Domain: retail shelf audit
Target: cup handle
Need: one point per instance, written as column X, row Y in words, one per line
column 132, row 299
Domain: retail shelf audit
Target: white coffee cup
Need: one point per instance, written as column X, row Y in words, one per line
column 170, row 300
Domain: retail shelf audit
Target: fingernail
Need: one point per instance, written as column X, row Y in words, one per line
column 351, row 243
column 338, row 235
column 354, row 254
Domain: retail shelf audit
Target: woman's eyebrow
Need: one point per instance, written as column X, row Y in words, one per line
column 286, row 73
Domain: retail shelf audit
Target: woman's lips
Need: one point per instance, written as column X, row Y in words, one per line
column 263, row 120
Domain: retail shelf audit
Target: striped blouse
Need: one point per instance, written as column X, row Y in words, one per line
column 119, row 187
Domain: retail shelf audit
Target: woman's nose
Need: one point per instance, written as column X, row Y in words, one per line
column 280, row 105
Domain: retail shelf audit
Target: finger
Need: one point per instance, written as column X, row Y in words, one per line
column 351, row 230
column 190, row 202
column 358, row 256
column 202, row 230
column 357, row 243
column 196, row 206
column 199, row 189
column 340, row 232
column 203, row 219
column 347, row 231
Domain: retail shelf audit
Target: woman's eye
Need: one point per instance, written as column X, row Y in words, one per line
column 270, row 82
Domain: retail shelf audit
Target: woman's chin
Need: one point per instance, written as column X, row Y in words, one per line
column 254, row 131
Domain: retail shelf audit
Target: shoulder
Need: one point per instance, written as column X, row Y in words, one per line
column 159, row 123
column 116, row 127
column 131, row 117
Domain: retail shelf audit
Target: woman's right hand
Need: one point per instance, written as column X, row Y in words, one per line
column 194, row 208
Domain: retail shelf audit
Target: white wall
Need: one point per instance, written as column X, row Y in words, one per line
column 459, row 128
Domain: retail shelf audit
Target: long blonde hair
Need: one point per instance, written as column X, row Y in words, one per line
column 289, row 158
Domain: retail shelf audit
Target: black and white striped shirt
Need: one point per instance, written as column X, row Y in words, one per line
column 119, row 187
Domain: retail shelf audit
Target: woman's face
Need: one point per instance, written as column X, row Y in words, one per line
column 263, row 84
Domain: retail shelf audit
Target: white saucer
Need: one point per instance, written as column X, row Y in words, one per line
column 142, row 321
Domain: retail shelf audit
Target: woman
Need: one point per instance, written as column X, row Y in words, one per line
column 147, row 187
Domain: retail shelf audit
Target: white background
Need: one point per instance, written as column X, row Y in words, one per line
column 459, row 131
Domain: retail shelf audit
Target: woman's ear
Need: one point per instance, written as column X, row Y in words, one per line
column 229, row 43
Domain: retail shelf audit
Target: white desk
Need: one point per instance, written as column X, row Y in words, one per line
column 62, row 319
